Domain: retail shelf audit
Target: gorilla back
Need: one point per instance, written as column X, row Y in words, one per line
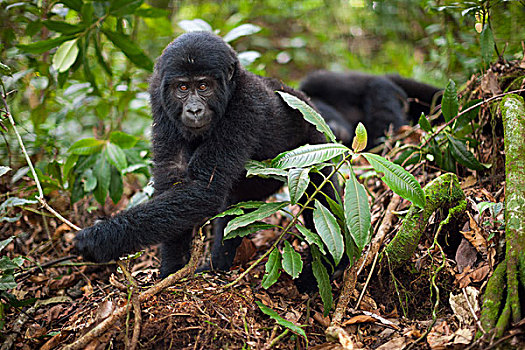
column 210, row 116
column 344, row 99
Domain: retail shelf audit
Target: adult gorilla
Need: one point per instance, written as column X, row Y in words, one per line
column 344, row 99
column 210, row 116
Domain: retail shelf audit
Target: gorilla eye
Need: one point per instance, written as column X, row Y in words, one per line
column 203, row 87
column 183, row 87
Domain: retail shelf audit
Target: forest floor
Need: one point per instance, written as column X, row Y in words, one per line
column 396, row 307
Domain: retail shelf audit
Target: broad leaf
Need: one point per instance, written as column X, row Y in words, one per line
column 262, row 212
column 307, row 155
column 292, row 263
column 63, row 27
column 311, row 237
column 195, row 25
column 116, row 156
column 285, row 323
column 73, row 4
column 248, row 57
column 90, row 182
column 256, row 168
column 242, row 30
column 102, row 172
column 398, row 179
column 330, row 232
column 5, row 242
column 122, row 139
column 309, row 114
column 298, row 181
column 86, row 146
column 272, row 268
column 4, row 170
column 7, row 282
column 449, row 103
column 65, row 56
column 323, row 281
column 462, row 155
column 424, row 123
column 124, row 7
column 130, row 49
column 486, row 41
column 357, row 211
column 45, row 45
column 116, row 187
column 247, row 230
column 360, row 138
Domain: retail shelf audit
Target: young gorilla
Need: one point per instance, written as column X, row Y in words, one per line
column 210, row 116
column 344, row 99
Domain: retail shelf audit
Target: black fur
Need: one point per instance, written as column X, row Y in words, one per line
column 344, row 99
column 198, row 173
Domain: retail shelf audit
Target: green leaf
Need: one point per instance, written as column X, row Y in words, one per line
column 309, row 114
column 462, row 155
column 262, row 212
column 360, row 138
column 116, row 187
column 122, row 139
column 323, row 281
column 86, row 146
column 102, row 172
column 4, row 170
column 449, row 103
column 424, row 123
column 116, row 156
column 298, row 181
column 285, row 323
column 357, row 211
column 195, row 25
column 292, row 263
column 63, row 27
column 5, row 242
column 330, row 232
column 100, row 58
column 90, row 182
column 465, row 118
column 45, row 45
column 73, row 4
column 130, row 49
column 247, row 230
column 398, row 179
column 242, row 30
column 256, row 168
column 311, row 237
column 124, row 7
column 5, row 69
column 232, row 211
column 7, row 282
column 272, row 268
column 65, row 56
column 486, row 42
column 16, row 202
column 307, row 155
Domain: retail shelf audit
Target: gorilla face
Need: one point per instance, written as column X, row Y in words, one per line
column 194, row 94
column 196, row 72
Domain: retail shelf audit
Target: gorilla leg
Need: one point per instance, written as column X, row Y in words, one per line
column 175, row 254
column 342, row 129
column 383, row 105
column 223, row 252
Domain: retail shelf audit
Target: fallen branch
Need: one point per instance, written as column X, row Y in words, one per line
column 189, row 269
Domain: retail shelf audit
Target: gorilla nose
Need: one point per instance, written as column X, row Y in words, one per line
column 195, row 110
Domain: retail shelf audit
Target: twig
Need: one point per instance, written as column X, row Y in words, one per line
column 471, row 309
column 44, row 265
column 40, row 196
column 442, row 127
column 138, row 322
column 277, row 339
column 191, row 266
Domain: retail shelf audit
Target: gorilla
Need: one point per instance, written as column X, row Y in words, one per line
column 344, row 99
column 210, row 116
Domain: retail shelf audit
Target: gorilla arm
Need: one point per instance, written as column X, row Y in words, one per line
column 216, row 163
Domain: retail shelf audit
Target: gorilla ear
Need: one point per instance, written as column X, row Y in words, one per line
column 231, row 71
